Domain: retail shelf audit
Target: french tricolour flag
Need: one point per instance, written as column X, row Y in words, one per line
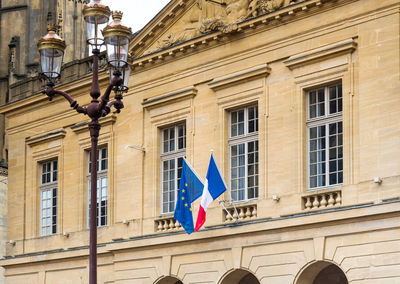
column 214, row 186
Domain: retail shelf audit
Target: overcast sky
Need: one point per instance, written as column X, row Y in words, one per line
column 137, row 13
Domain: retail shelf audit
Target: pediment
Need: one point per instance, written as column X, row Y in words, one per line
column 183, row 20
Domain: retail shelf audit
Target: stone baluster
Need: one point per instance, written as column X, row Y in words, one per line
column 338, row 198
column 308, row 203
column 254, row 212
column 234, row 215
column 228, row 217
column 248, row 212
column 315, row 204
column 323, row 201
column 331, row 200
column 160, row 226
column 241, row 213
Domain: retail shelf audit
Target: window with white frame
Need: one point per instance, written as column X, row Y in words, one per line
column 243, row 146
column 325, row 136
column 102, row 160
column 48, row 198
column 173, row 150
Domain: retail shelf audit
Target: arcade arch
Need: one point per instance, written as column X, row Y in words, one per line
column 239, row 276
column 168, row 280
column 322, row 272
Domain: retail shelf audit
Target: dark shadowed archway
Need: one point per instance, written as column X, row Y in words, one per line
column 239, row 276
column 168, row 280
column 322, row 272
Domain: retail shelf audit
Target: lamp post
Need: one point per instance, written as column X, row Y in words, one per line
column 116, row 37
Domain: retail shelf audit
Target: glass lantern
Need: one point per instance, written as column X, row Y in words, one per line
column 117, row 37
column 96, row 17
column 51, row 48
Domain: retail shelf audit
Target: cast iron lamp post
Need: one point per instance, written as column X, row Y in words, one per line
column 116, row 38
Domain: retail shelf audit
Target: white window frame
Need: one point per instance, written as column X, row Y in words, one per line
column 175, row 155
column 49, row 187
column 324, row 120
column 243, row 139
column 102, row 175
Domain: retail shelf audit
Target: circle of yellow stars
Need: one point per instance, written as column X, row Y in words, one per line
column 183, row 198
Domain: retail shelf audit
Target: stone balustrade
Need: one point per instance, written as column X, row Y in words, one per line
column 242, row 213
column 166, row 224
column 322, row 200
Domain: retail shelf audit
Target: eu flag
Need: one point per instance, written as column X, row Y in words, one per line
column 190, row 188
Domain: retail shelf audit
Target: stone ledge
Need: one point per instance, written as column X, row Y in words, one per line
column 235, row 78
column 52, row 135
column 322, row 53
column 169, row 97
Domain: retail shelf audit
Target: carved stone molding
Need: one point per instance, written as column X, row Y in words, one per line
column 52, row 135
column 172, row 96
column 235, row 78
column 345, row 46
column 209, row 16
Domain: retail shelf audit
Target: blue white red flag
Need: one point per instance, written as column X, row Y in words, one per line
column 190, row 188
column 214, row 186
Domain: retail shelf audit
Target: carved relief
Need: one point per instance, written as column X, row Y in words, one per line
column 211, row 15
column 259, row 7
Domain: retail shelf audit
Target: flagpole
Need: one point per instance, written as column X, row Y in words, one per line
column 223, row 206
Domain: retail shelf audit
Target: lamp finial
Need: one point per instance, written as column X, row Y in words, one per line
column 117, row 15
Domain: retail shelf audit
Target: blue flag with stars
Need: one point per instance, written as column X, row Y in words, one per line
column 190, row 188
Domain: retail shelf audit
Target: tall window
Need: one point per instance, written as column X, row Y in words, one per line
column 243, row 145
column 173, row 149
column 48, row 198
column 325, row 136
column 102, row 159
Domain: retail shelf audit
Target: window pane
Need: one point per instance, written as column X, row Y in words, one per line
column 313, row 97
column 181, row 137
column 252, row 169
column 237, row 123
column 241, row 129
column 253, row 119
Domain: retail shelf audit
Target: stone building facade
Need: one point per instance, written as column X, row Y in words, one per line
column 299, row 100
column 22, row 23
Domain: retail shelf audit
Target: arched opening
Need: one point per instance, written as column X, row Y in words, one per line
column 322, row 272
column 168, row 280
column 240, row 276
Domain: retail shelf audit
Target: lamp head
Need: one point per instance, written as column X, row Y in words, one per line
column 96, row 16
column 117, row 37
column 51, row 48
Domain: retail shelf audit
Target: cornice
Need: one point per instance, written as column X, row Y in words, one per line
column 172, row 96
column 52, row 135
column 13, row 8
column 235, row 78
column 342, row 47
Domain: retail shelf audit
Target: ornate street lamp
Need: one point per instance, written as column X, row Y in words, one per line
column 51, row 48
column 117, row 39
